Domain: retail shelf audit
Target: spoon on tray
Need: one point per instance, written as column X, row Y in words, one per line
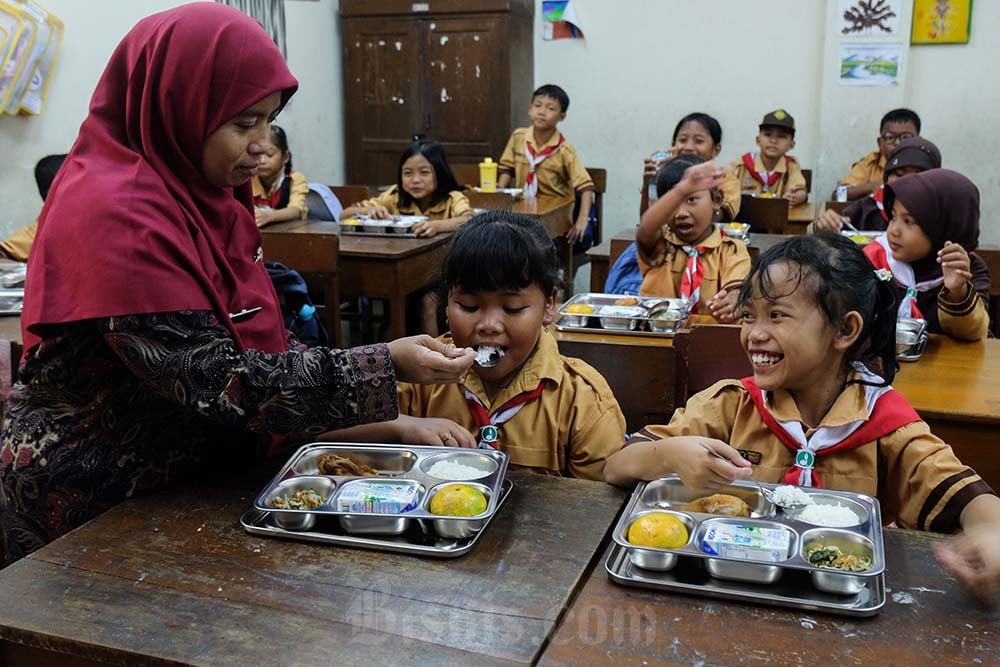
column 769, row 494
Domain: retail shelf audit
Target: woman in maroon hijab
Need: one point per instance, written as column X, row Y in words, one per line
column 154, row 343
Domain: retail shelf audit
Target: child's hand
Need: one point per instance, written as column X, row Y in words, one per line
column 795, row 197
column 723, row 306
column 577, row 231
column 974, row 556
column 955, row 265
column 264, row 216
column 426, row 229
column 650, row 167
column 433, row 431
column 696, row 460
column 379, row 213
column 702, row 177
column 829, row 221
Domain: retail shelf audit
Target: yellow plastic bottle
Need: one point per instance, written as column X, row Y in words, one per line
column 488, row 175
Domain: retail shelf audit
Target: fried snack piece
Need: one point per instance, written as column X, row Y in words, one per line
column 334, row 464
column 718, row 503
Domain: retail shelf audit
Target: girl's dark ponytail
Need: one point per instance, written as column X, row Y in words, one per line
column 882, row 336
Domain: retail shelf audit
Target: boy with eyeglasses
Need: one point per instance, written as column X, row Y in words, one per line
column 866, row 174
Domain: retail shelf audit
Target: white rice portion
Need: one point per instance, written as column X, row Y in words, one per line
column 456, row 471
column 830, row 516
column 488, row 356
column 791, row 496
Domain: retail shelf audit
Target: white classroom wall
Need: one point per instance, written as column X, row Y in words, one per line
column 643, row 65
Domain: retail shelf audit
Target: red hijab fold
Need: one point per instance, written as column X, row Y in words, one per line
column 131, row 225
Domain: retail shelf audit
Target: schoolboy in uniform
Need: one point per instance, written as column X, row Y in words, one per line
column 911, row 156
column 540, row 160
column 770, row 171
column 867, row 173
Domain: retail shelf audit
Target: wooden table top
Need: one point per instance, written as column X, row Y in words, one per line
column 173, row 577
column 928, row 619
column 354, row 245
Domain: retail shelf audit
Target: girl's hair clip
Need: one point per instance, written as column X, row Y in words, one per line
column 883, row 274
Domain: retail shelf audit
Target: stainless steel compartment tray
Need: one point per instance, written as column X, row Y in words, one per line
column 793, row 590
column 417, row 541
column 669, row 494
column 395, row 463
column 398, row 226
column 11, row 301
column 643, row 323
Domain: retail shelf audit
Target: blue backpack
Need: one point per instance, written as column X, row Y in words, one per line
column 624, row 276
column 297, row 309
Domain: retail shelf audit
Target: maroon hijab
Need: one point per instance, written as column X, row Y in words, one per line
column 131, row 225
column 946, row 206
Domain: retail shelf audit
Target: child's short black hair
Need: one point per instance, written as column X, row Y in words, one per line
column 45, row 172
column 842, row 279
column 433, row 152
column 672, row 172
column 710, row 124
column 555, row 92
column 501, row 250
column 900, row 116
column 280, row 141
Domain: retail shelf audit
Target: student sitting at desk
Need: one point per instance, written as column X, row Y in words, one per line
column 681, row 252
column 541, row 161
column 933, row 229
column 910, row 156
column 278, row 192
column 695, row 134
column 18, row 245
column 425, row 186
column 817, row 323
column 867, row 174
column 547, row 411
column 771, row 172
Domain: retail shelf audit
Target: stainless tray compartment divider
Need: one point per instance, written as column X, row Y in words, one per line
column 669, row 494
column 641, row 325
column 417, row 541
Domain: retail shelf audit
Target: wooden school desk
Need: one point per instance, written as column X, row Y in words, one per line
column 928, row 619
column 376, row 267
column 173, row 578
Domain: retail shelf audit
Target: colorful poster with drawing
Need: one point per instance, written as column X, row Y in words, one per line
column 941, row 22
column 559, row 20
column 870, row 64
column 869, row 18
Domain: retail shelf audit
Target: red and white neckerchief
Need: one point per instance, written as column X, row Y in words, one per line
column 272, row 198
column 765, row 178
column 879, row 197
column 881, row 257
column 489, row 423
column 694, row 275
column 887, row 411
column 535, row 159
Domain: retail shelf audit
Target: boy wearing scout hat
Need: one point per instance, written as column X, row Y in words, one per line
column 770, row 171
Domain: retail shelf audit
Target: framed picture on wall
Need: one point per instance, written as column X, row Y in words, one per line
column 941, row 22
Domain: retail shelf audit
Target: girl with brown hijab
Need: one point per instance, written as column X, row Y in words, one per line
column 928, row 248
column 154, row 344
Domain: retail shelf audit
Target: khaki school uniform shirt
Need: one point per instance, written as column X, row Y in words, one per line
column 731, row 195
column 19, row 244
column 790, row 181
column 456, row 204
column 570, row 430
column 296, row 194
column 867, row 169
column 726, row 260
column 917, row 478
column 561, row 174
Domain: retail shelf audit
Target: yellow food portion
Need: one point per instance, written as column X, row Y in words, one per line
column 859, row 238
column 350, row 221
column 659, row 530
column 735, row 226
column 458, row 500
column 580, row 309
